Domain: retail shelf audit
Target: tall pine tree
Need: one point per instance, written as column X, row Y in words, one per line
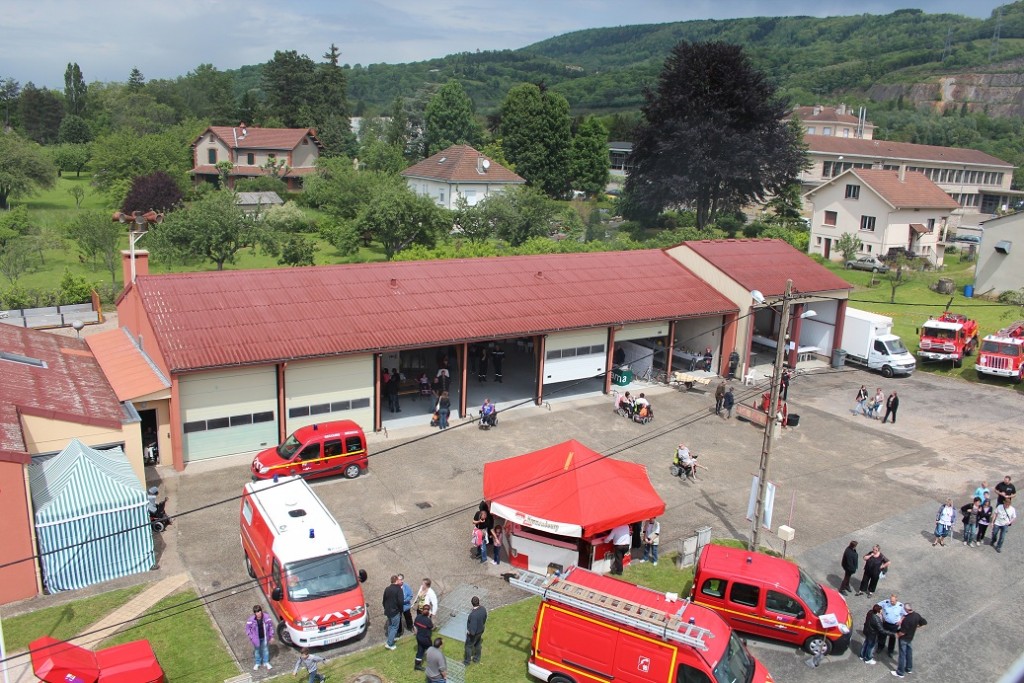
column 536, row 136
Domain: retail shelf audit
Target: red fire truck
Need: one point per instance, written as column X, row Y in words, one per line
column 1002, row 353
column 951, row 336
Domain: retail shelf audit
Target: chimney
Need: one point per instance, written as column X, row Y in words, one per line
column 841, row 109
column 141, row 264
column 479, row 164
column 817, row 109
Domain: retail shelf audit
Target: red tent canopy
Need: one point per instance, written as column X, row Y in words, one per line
column 570, row 490
column 56, row 661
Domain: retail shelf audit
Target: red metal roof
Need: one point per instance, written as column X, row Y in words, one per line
column 765, row 265
column 71, row 387
column 127, row 369
column 904, row 151
column 459, row 164
column 260, row 138
column 914, row 191
column 204, row 320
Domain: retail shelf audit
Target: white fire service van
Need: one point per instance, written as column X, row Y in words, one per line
column 298, row 553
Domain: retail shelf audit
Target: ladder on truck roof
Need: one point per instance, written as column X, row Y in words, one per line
column 1013, row 331
column 658, row 622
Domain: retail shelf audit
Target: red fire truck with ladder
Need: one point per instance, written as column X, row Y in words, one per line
column 951, row 336
column 1002, row 353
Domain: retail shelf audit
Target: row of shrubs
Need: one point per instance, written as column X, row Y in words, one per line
column 73, row 289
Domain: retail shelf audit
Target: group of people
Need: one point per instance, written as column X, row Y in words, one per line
column 400, row 602
column 486, row 534
column 391, row 382
column 259, row 627
column 621, row 539
column 724, row 399
column 634, row 407
column 979, row 515
column 483, row 355
column 893, row 624
column 871, row 406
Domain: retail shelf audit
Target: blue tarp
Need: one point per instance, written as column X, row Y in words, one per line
column 91, row 519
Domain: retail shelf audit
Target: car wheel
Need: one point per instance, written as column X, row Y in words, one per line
column 283, row 635
column 849, row 266
column 1019, row 378
column 158, row 526
column 887, row 372
column 559, row 678
column 352, row 471
column 248, row 568
column 958, row 362
column 874, row 270
column 817, row 645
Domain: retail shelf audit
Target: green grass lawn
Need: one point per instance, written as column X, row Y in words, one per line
column 184, row 640
column 915, row 301
column 64, row 621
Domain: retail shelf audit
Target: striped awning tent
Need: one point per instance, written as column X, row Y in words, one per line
column 91, row 518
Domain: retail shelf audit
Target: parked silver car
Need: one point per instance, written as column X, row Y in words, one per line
column 872, row 263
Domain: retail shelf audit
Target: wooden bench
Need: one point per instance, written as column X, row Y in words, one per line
column 751, row 414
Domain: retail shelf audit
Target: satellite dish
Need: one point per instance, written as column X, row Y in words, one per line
column 486, row 164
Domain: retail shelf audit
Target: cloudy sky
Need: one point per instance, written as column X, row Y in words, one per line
column 167, row 38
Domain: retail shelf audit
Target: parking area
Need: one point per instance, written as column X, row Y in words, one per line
column 839, row 477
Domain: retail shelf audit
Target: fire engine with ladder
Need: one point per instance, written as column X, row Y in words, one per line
column 1002, row 353
column 951, row 336
column 595, row 627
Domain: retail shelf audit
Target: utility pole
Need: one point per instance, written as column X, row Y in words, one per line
column 773, row 409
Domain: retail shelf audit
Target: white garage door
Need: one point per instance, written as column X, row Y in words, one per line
column 330, row 389
column 226, row 412
column 642, row 331
column 575, row 355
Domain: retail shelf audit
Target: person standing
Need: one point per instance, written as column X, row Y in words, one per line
column 498, row 359
column 734, row 363
column 444, row 409
column 892, row 616
column 850, row 559
column 474, row 632
column 392, row 603
column 1004, row 517
column 484, row 523
column 980, row 492
column 872, row 632
column 719, row 397
column 984, row 520
column 481, row 367
column 874, row 564
column 1005, row 489
column 784, row 384
column 394, row 387
column 260, row 629
column 427, row 596
column 621, row 538
column 497, row 537
column 437, row 667
column 892, row 404
column 970, row 514
column 651, row 533
column 861, row 401
column 312, row 664
column 728, row 402
column 908, row 628
column 879, row 401
column 424, row 631
column 407, row 596
column 945, row 518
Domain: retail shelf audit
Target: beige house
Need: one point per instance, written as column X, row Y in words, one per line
column 250, row 149
column 1000, row 266
column 884, row 209
column 840, row 121
column 459, row 172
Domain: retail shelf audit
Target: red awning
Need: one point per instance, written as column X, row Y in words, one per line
column 570, row 490
column 55, row 661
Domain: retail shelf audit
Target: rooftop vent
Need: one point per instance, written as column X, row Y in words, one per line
column 442, row 160
column 24, row 360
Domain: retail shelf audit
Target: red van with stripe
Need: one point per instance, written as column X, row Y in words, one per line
column 318, row 450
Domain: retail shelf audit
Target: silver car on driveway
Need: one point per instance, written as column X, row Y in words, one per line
column 872, row 263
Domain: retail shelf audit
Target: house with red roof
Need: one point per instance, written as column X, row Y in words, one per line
column 738, row 267
column 884, row 210
column 53, row 391
column 249, row 150
column 839, row 121
column 459, row 172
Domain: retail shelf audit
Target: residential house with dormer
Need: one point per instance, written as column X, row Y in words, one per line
column 839, row 122
column 250, row 149
column 459, row 171
column 884, row 209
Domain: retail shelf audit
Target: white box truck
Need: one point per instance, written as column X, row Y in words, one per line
column 868, row 340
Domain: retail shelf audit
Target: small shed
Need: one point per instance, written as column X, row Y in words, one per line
column 91, row 519
column 559, row 503
column 251, row 202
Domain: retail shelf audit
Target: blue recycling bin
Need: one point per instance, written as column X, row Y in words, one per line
column 968, row 291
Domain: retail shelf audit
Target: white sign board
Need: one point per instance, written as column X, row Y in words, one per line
column 769, row 503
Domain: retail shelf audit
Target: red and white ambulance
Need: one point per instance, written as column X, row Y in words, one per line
column 317, row 450
column 298, row 554
column 591, row 627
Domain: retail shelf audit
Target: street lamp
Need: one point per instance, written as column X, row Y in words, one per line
column 140, row 223
column 769, row 427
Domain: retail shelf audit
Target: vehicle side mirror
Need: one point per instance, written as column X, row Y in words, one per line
column 277, row 594
column 917, row 331
column 362, row 576
column 801, row 614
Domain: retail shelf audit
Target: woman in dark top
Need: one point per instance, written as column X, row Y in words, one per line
column 444, row 409
column 424, row 628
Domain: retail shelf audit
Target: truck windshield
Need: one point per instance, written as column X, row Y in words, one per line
column 320, row 577
column 1001, row 348
column 895, row 347
column 737, row 666
column 940, row 333
column 288, row 448
column 812, row 594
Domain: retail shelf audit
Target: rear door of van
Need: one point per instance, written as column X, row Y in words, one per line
column 583, row 648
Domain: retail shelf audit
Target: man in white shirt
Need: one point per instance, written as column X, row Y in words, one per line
column 622, row 539
column 1003, row 519
column 652, row 531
